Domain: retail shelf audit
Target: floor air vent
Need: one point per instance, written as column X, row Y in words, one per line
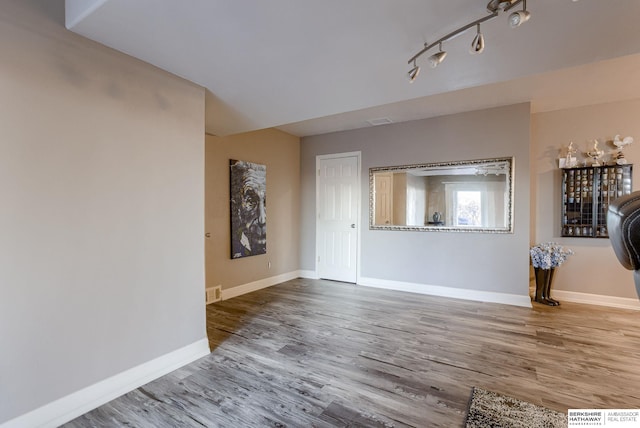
column 214, row 294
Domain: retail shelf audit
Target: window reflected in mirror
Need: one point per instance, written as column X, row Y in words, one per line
column 472, row 195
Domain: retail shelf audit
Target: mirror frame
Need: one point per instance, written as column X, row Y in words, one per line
column 466, row 163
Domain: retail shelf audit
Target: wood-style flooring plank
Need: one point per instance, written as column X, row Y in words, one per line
column 310, row 353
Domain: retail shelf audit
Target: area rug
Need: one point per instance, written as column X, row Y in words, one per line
column 489, row 409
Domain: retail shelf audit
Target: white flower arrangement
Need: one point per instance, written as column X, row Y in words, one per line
column 549, row 255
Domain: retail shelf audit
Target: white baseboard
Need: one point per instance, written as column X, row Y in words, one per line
column 436, row 290
column 456, row 293
column 597, row 299
column 239, row 290
column 80, row 402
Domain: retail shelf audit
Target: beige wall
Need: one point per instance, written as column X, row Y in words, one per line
column 280, row 152
column 102, row 211
column 594, row 268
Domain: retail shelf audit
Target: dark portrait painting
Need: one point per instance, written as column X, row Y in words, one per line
column 248, row 208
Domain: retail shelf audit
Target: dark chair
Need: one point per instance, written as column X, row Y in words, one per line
column 623, row 222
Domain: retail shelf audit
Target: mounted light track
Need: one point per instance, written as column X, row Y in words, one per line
column 498, row 5
column 494, row 7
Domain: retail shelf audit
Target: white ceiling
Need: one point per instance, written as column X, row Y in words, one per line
column 315, row 66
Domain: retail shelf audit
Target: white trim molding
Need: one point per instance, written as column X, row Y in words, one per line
column 597, row 299
column 455, row 293
column 80, row 402
column 239, row 290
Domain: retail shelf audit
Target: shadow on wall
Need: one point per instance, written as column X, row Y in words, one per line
column 551, row 154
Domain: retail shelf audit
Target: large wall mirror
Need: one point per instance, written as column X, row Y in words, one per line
column 465, row 196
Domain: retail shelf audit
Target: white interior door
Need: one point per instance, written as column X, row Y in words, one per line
column 337, row 221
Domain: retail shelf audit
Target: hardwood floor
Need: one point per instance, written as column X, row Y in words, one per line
column 310, row 353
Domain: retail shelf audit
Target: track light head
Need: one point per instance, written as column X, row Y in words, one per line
column 477, row 45
column 437, row 58
column 413, row 73
column 518, row 18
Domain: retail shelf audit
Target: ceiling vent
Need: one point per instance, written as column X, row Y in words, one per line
column 380, row 121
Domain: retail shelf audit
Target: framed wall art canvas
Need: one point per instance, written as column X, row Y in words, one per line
column 248, row 187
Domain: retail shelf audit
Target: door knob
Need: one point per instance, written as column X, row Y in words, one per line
column 353, row 225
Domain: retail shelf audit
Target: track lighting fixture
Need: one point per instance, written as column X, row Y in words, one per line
column 413, row 73
column 494, row 7
column 518, row 18
column 437, row 58
column 477, row 45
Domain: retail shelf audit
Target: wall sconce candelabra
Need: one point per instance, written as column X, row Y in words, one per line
column 494, row 7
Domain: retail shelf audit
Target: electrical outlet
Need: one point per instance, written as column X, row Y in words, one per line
column 269, row 265
column 214, row 294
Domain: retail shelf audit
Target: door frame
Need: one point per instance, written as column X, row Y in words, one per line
column 319, row 158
